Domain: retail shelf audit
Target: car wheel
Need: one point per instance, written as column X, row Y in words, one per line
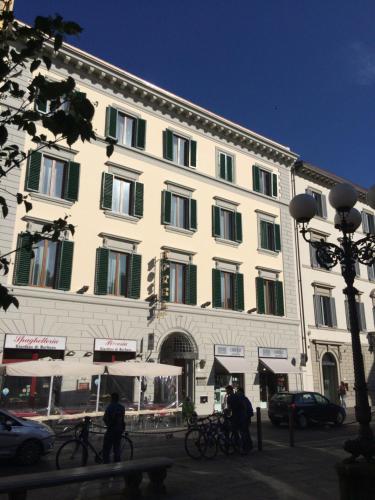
column 340, row 417
column 302, row 421
column 275, row 422
column 29, row 453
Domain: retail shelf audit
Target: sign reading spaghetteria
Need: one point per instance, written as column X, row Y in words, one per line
column 229, row 350
column 115, row 345
column 273, row 352
column 37, row 342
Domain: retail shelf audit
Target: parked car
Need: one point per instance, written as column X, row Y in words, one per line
column 308, row 407
column 23, row 439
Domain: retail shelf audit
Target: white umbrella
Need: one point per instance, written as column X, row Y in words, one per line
column 51, row 368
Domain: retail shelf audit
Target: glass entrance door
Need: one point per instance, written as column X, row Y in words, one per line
column 330, row 377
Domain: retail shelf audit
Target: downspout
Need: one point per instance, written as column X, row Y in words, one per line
column 299, row 274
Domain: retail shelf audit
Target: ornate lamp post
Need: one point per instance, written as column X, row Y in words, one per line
column 303, row 208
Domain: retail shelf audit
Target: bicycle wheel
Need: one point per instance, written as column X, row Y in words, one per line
column 225, row 443
column 210, row 449
column 126, row 448
column 73, row 453
column 195, row 443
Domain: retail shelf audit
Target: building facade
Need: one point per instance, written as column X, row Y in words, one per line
column 183, row 249
column 325, row 323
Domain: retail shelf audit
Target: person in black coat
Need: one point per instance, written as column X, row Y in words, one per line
column 114, row 419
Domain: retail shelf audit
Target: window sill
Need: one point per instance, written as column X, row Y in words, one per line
column 179, row 165
column 180, row 230
column 265, row 251
column 226, row 180
column 268, row 196
column 114, row 215
column 227, row 242
column 50, row 199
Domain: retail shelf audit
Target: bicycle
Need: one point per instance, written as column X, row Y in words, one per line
column 76, row 452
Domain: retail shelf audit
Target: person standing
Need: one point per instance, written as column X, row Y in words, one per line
column 114, row 418
column 246, row 414
column 233, row 404
column 342, row 393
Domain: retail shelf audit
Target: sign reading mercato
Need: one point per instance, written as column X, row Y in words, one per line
column 115, row 345
column 273, row 352
column 38, row 342
column 229, row 350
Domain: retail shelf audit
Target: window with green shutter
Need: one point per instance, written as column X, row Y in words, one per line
column 216, row 288
column 269, row 235
column 179, row 149
column 106, row 191
column 134, row 285
column 216, row 232
column 270, row 296
column 101, row 271
column 239, row 293
column 126, row 129
column 191, row 285
column 265, row 182
column 279, row 299
column 138, row 199
column 166, row 207
column 261, row 309
column 238, row 227
column 140, row 138
column 225, row 168
column 64, row 266
column 23, row 260
column 72, row 182
column 226, row 224
column 122, row 196
column 33, row 171
column 193, row 215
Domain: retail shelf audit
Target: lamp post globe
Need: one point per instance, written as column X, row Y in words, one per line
column 303, row 208
column 348, row 222
column 343, row 197
column 371, row 196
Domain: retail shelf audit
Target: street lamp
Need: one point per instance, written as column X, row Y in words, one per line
column 303, row 208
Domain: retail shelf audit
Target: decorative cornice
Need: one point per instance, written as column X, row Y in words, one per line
column 152, row 96
column 324, row 178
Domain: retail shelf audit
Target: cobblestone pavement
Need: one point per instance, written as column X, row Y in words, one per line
column 305, row 472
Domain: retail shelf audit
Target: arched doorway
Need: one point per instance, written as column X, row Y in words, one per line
column 177, row 349
column 330, row 377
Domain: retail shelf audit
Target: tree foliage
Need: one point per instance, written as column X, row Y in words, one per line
column 67, row 118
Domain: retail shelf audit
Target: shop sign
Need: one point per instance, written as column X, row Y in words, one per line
column 229, row 350
column 35, row 342
column 271, row 352
column 112, row 345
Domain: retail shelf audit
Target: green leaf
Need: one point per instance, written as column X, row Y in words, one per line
column 4, row 206
column 47, row 62
column 110, row 149
column 58, row 42
column 35, row 65
column 19, row 197
column 28, row 205
column 3, row 135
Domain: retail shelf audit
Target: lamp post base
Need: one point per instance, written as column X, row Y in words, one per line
column 356, row 480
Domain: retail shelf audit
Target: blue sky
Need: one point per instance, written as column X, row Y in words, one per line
column 301, row 72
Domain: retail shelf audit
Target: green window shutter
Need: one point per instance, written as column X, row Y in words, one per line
column 140, row 134
column 216, row 221
column 216, row 288
column 229, row 169
column 256, row 178
column 33, row 171
column 168, row 145
column 222, row 165
column 138, row 199
column 166, row 206
column 274, row 186
column 72, row 182
column 106, row 194
column 261, row 308
column 191, row 285
column 238, row 227
column 239, row 293
column 164, row 280
column 263, row 234
column 111, row 122
column 279, row 298
column 135, row 270
column 277, row 237
column 101, row 271
column 23, row 260
column 193, row 153
column 65, row 263
column 193, row 214
column 41, row 104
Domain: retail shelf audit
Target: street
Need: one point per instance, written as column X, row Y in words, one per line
column 304, row 472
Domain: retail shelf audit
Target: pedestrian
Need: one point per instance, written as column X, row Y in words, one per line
column 246, row 414
column 236, row 411
column 187, row 409
column 342, row 393
column 114, row 418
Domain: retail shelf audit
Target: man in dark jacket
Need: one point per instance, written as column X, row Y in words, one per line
column 246, row 414
column 114, row 419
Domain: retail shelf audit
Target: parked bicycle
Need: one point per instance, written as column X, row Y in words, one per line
column 79, row 451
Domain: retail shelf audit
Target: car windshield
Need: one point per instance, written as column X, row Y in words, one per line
column 282, row 397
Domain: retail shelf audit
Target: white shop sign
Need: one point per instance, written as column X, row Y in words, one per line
column 39, row 342
column 113, row 345
column 229, row 350
column 273, row 352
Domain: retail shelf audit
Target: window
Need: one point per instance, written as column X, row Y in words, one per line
column 51, row 105
column 178, row 282
column 321, row 400
column 227, row 290
column 368, row 224
column 360, row 314
column 178, row 211
column 313, row 257
column 321, row 202
column 270, row 236
column 52, row 176
column 122, row 196
column 325, row 308
column 304, row 398
column 118, row 273
column 226, row 224
column 128, row 130
column 265, row 182
column 46, row 264
column 225, row 167
column 178, row 149
column 270, row 296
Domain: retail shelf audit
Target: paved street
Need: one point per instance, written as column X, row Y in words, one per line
column 305, row 472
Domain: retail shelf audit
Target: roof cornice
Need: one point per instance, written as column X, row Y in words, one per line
column 168, row 103
column 324, row 178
